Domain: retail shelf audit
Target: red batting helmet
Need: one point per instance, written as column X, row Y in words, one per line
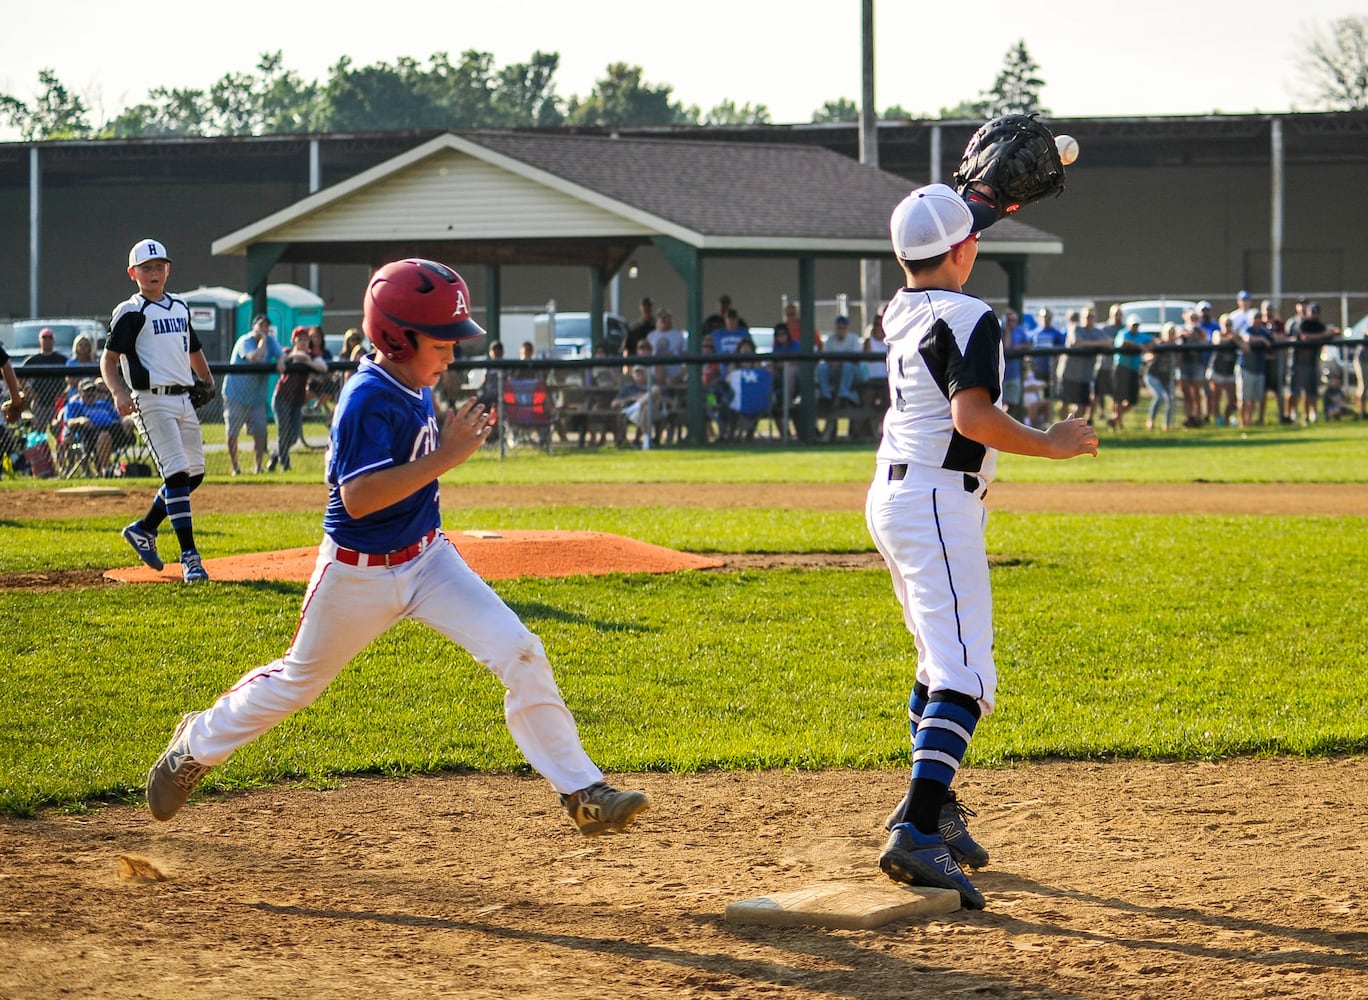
column 406, row 297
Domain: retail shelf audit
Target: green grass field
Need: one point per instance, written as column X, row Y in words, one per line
column 1136, row 635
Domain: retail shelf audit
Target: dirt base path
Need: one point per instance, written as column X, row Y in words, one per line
column 1226, row 882
column 1230, row 881
column 1100, row 498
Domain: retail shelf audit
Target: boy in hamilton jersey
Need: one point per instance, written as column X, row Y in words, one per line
column 149, row 364
column 384, row 558
column 944, row 428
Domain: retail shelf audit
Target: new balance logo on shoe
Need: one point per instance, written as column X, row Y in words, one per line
column 175, row 774
column 144, row 543
column 915, row 858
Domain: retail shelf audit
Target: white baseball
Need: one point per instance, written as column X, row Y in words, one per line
column 1068, row 148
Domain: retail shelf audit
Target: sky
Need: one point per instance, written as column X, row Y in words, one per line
column 1155, row 57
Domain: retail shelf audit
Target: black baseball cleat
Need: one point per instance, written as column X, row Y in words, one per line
column 953, row 830
column 955, row 833
column 915, row 858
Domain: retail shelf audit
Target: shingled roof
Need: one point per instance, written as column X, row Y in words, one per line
column 733, row 189
column 714, row 196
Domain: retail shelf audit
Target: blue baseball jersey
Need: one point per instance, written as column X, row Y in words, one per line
column 380, row 422
column 751, row 389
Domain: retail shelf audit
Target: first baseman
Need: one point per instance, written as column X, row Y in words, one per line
column 945, row 424
column 150, row 363
column 384, row 558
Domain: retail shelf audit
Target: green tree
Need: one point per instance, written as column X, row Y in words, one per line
column 844, row 110
column 1016, row 89
column 465, row 91
column 442, row 94
column 164, row 113
column 1336, row 74
column 274, row 101
column 621, row 98
column 728, row 113
column 964, row 109
column 374, row 97
column 56, row 113
column 526, row 94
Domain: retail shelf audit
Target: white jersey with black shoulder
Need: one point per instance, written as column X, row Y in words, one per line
column 156, row 341
column 939, row 343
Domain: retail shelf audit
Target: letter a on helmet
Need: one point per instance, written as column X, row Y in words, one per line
column 412, row 296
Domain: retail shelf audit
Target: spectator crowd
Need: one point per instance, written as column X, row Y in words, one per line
column 1245, row 366
column 1204, row 370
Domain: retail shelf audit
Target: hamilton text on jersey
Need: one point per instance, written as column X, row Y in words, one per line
column 171, row 324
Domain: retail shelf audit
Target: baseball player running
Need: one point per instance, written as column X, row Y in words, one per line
column 384, row 558
column 944, row 427
column 150, row 363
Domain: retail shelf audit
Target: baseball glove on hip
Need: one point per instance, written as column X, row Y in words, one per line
column 1009, row 162
column 14, row 409
column 201, row 393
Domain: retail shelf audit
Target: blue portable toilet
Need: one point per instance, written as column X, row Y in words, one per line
column 288, row 306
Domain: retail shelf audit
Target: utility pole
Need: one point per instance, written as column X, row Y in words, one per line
column 871, row 271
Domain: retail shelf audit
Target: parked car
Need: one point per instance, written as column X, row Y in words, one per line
column 1339, row 358
column 1059, row 308
column 571, row 339
column 22, row 338
column 1154, row 313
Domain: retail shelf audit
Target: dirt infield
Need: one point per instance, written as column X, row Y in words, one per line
column 1244, row 879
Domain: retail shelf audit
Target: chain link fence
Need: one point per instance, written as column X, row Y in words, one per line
column 696, row 400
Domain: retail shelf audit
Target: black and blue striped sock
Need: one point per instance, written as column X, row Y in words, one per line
column 942, row 739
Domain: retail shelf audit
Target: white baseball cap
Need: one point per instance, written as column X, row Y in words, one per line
column 932, row 219
column 145, row 250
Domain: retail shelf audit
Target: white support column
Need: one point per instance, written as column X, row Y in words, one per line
column 35, row 230
column 1275, row 236
column 871, row 270
column 315, row 181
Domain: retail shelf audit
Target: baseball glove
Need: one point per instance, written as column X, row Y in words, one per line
column 14, row 409
column 1009, row 162
column 201, row 393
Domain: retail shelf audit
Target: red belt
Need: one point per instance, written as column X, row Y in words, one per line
column 353, row 558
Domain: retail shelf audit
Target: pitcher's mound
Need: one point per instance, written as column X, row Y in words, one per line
column 503, row 555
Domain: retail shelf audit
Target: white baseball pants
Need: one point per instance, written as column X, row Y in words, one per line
column 171, row 429
column 346, row 607
column 929, row 530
